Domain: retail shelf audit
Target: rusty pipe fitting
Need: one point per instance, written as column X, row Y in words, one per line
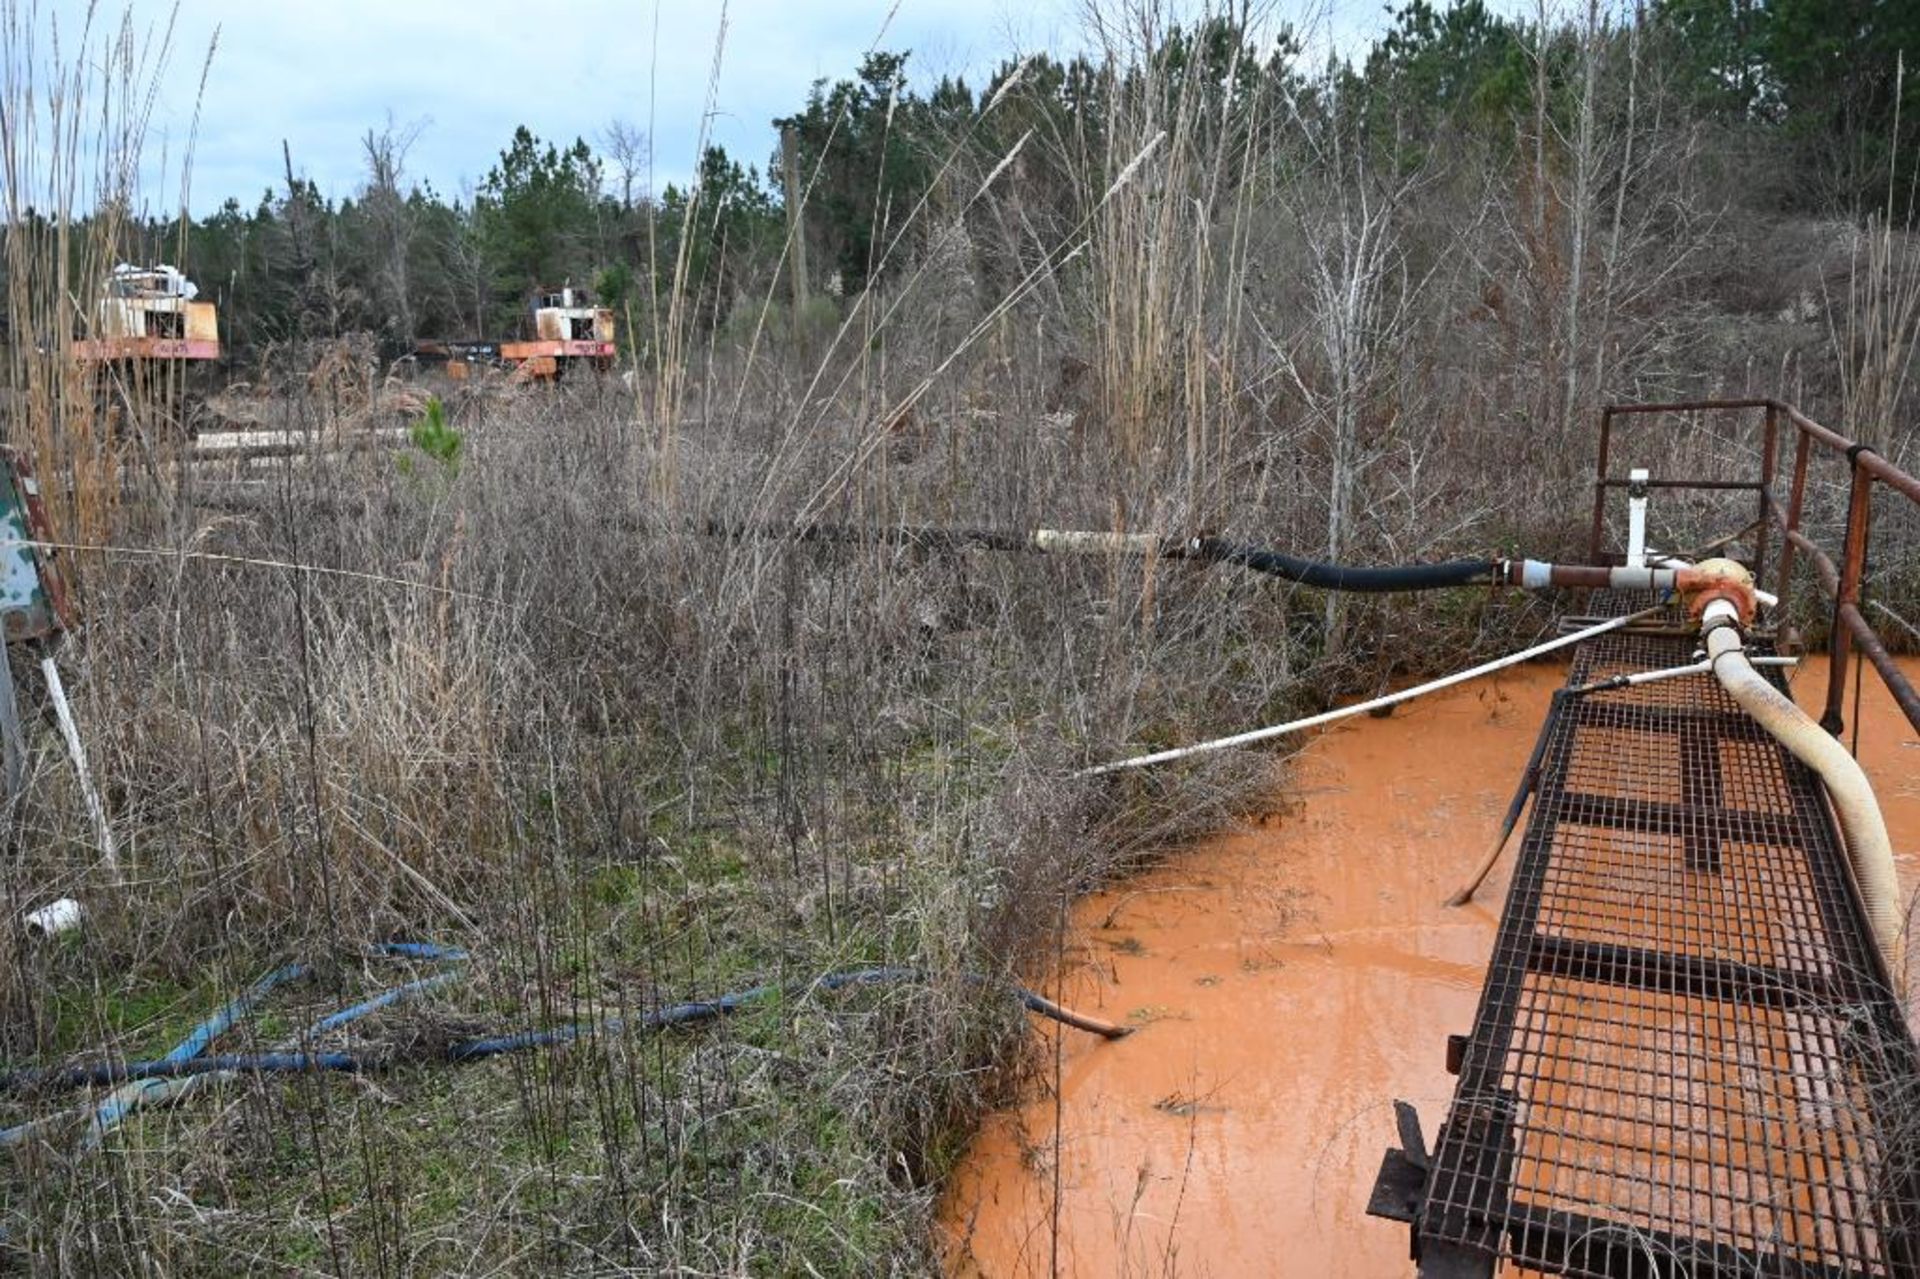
column 1716, row 579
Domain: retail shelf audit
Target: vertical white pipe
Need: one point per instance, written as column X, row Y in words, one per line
column 1637, row 517
column 103, row 833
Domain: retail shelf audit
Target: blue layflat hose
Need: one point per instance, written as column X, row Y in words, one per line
column 682, row 1014
column 152, row 1081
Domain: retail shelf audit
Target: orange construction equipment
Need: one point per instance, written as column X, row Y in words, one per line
column 567, row 328
column 568, row 331
column 150, row 313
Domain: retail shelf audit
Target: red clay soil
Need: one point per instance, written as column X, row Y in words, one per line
column 1289, row 982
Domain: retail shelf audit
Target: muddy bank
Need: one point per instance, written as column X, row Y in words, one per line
column 1290, row 981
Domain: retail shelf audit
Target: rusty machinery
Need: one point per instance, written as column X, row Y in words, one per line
column 147, row 338
column 568, row 331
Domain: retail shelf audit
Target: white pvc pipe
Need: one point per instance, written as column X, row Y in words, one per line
column 1056, row 541
column 54, row 918
column 1641, row 578
column 1360, row 708
column 71, row 731
column 1537, row 575
column 1637, row 518
column 1638, row 678
column 1661, row 576
column 1869, row 849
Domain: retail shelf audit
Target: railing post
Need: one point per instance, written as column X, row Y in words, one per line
column 1796, row 498
column 1853, row 565
column 1769, row 448
column 1600, row 486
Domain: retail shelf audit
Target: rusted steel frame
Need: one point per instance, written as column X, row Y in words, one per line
column 1849, row 615
column 1875, row 465
column 1823, row 565
column 1602, row 481
column 1749, row 486
column 1585, row 1245
column 1600, row 485
column 1695, row 976
column 1466, row 1165
column 1692, row 406
column 1878, row 466
column 1591, row 576
column 1796, row 501
column 1460, row 1183
column 1853, row 563
column 1888, row 474
column 1875, row 651
column 1769, row 454
column 1807, row 426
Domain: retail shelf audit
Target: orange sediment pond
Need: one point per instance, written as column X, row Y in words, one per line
column 1289, row 981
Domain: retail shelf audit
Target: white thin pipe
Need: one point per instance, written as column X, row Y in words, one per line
column 71, row 731
column 1055, row 541
column 1637, row 519
column 1360, row 708
column 1869, row 850
column 1637, row 678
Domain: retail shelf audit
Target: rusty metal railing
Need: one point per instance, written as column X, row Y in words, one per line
column 1687, row 1058
column 1849, row 628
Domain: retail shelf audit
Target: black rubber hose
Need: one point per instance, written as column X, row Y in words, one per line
column 1529, row 782
column 925, row 536
column 1339, row 577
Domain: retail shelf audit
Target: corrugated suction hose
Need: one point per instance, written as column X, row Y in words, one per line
column 1869, row 849
column 1343, row 577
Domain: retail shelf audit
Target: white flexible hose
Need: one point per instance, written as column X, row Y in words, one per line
column 1869, row 850
column 1390, row 699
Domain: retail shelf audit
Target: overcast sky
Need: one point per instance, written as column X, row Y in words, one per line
column 320, row 74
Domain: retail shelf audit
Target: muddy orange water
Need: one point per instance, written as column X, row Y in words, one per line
column 1289, row 981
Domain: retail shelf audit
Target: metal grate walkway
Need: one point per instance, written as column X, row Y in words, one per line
column 1686, row 1061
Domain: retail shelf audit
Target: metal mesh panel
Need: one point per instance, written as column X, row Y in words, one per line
column 1686, row 1061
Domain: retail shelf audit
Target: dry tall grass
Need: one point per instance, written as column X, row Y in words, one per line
column 514, row 703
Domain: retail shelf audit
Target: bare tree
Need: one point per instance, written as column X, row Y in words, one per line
column 1357, row 313
column 631, row 152
column 390, row 220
